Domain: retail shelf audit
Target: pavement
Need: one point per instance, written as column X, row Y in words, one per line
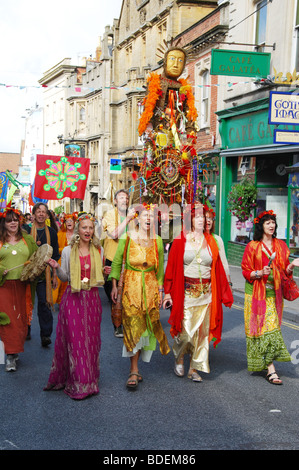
column 291, row 309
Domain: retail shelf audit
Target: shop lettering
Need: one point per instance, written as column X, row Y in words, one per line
column 239, row 69
column 286, row 109
column 246, row 132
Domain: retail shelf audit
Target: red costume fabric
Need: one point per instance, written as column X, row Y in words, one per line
column 174, row 285
column 255, row 260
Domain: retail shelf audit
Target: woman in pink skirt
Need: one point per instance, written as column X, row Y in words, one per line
column 75, row 366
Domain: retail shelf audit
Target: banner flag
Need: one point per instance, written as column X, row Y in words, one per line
column 3, row 190
column 58, row 177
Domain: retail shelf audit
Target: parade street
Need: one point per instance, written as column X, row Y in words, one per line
column 231, row 409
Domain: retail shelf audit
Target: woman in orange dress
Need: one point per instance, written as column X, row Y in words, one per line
column 64, row 235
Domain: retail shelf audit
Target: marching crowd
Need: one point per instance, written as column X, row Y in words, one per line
column 127, row 259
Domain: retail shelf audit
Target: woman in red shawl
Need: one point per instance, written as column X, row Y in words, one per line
column 263, row 302
column 195, row 285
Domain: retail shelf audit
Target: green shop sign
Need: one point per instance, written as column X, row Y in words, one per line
column 248, row 130
column 240, row 63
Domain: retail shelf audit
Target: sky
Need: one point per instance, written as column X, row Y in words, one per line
column 35, row 36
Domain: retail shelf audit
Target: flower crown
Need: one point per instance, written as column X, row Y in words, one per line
column 261, row 215
column 206, row 208
column 73, row 216
column 84, row 217
column 11, row 209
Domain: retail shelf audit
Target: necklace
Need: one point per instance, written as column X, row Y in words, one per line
column 85, row 266
column 39, row 237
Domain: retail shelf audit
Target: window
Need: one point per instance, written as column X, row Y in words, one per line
column 205, row 99
column 261, row 22
column 297, row 38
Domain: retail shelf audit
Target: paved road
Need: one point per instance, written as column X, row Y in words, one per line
column 231, row 409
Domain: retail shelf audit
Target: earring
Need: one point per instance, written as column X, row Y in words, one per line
column 77, row 238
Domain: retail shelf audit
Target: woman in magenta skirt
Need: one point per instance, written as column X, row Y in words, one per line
column 75, row 366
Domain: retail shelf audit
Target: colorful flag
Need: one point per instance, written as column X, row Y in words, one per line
column 58, row 177
column 3, row 190
column 32, row 199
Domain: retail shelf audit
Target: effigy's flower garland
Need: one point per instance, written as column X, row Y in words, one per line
column 155, row 92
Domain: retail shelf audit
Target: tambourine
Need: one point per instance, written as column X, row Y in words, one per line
column 37, row 263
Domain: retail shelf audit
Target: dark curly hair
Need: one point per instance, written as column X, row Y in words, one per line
column 258, row 228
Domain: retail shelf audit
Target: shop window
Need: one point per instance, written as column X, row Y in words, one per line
column 270, row 170
column 277, row 200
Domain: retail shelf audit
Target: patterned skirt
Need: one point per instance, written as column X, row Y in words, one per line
column 268, row 344
column 75, row 366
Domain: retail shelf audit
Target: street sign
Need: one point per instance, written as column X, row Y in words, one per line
column 240, row 63
column 283, row 108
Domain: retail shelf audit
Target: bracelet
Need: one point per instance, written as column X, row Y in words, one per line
column 160, row 289
column 256, row 275
column 290, row 269
column 230, row 283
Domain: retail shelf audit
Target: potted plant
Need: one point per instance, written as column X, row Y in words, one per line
column 242, row 199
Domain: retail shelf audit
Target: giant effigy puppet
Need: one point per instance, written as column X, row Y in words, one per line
column 170, row 167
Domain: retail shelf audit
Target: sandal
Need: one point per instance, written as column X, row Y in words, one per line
column 132, row 384
column 194, row 376
column 271, row 379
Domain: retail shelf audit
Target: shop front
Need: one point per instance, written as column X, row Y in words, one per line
column 248, row 150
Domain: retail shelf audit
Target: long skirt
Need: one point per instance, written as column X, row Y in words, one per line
column 267, row 344
column 76, row 367
column 13, row 303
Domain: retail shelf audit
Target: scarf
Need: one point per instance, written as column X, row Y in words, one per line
column 49, row 297
column 96, row 274
column 252, row 261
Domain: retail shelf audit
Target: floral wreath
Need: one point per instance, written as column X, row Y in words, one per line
column 73, row 216
column 206, row 208
column 11, row 209
column 261, row 215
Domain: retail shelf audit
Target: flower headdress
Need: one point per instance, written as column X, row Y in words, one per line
column 73, row 216
column 206, row 208
column 261, row 215
column 85, row 216
column 9, row 209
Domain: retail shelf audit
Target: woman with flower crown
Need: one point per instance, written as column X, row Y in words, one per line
column 263, row 304
column 195, row 286
column 143, row 253
column 16, row 247
column 75, row 366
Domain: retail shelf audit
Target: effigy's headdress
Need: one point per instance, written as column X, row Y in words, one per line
column 174, row 44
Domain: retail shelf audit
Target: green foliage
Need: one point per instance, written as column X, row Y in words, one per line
column 242, row 199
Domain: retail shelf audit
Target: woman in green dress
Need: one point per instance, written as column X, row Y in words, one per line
column 16, row 247
column 263, row 304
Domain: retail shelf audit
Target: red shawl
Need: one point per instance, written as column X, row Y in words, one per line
column 174, row 285
column 253, row 261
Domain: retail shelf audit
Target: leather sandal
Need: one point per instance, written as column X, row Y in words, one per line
column 132, row 384
column 271, row 379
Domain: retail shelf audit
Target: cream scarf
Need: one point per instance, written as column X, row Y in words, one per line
column 96, row 273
